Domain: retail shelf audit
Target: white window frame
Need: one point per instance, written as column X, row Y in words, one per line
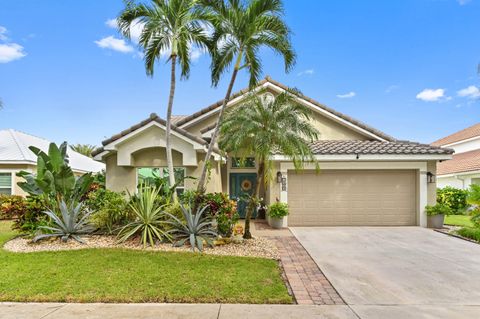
column 12, row 176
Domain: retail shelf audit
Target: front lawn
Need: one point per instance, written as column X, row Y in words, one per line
column 469, row 232
column 116, row 275
column 458, row 220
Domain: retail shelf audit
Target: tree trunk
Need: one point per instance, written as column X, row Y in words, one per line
column 201, row 181
column 171, row 173
column 254, row 200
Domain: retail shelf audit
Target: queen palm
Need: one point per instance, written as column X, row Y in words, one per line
column 84, row 149
column 240, row 30
column 263, row 127
column 172, row 28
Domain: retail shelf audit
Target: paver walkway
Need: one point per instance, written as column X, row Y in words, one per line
column 307, row 282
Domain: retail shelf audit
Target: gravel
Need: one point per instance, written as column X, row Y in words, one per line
column 257, row 247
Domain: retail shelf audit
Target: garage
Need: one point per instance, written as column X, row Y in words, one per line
column 352, row 198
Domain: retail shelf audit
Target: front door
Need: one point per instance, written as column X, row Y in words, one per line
column 242, row 184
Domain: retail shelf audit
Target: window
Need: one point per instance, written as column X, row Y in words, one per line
column 148, row 175
column 248, row 162
column 6, row 183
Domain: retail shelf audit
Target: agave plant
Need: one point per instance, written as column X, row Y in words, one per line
column 73, row 222
column 196, row 229
column 149, row 218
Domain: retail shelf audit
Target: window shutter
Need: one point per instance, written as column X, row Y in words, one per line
column 5, row 180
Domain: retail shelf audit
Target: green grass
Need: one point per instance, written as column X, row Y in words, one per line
column 458, row 220
column 116, row 275
column 469, row 232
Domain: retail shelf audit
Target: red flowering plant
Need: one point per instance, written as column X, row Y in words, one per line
column 223, row 209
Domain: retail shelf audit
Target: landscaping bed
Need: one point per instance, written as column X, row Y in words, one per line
column 130, row 275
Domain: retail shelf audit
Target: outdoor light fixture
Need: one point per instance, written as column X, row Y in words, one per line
column 430, row 177
column 279, row 177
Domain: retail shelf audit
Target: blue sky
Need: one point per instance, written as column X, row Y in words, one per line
column 406, row 67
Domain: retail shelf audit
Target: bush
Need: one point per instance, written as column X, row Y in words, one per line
column 454, row 198
column 223, row 209
column 438, row 209
column 277, row 210
column 11, row 206
column 110, row 210
column 468, row 232
column 32, row 217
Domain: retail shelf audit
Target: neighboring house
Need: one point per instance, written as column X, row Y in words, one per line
column 464, row 169
column 366, row 177
column 15, row 156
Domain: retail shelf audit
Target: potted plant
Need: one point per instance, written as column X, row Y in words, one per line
column 276, row 213
column 436, row 215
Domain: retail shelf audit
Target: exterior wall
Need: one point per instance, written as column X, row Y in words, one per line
column 432, row 187
column 465, row 146
column 155, row 157
column 14, row 169
column 331, row 130
column 462, row 181
column 119, row 178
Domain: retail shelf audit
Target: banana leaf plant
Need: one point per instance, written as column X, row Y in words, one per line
column 54, row 179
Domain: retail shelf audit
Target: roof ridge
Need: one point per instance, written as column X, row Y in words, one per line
column 18, row 143
column 446, row 138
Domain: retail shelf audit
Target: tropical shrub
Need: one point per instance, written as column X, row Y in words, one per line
column 30, row 220
column 54, row 179
column 452, row 197
column 11, row 206
column 438, row 209
column 110, row 210
column 196, row 229
column 72, row 222
column 149, row 220
column 473, row 198
column 277, row 210
column 222, row 208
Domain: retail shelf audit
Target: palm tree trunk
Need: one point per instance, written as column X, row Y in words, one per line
column 253, row 201
column 201, row 181
column 171, row 173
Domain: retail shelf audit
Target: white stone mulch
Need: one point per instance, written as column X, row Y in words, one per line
column 257, row 247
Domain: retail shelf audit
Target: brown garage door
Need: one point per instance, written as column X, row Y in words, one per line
column 352, row 198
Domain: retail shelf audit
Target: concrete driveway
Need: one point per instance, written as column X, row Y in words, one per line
column 398, row 272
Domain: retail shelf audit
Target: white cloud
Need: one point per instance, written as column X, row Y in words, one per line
column 111, row 23
column 471, row 92
column 463, row 2
column 9, row 51
column 431, row 95
column 348, row 95
column 392, row 88
column 306, row 72
column 115, row 44
column 135, row 29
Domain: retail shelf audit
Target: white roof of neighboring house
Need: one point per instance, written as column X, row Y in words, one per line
column 14, row 150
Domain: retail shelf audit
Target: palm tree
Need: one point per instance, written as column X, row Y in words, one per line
column 241, row 29
column 263, row 127
column 172, row 26
column 85, row 149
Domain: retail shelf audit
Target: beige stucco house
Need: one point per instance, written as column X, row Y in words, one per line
column 366, row 177
column 16, row 156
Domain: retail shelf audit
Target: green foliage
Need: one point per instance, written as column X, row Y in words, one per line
column 29, row 221
column 277, row 210
column 222, row 208
column 196, row 229
column 11, row 206
column 110, row 210
column 468, row 232
column 438, row 209
column 162, row 183
column 473, row 196
column 54, row 179
column 476, row 217
column 72, row 222
column 454, row 198
column 84, row 149
column 149, row 220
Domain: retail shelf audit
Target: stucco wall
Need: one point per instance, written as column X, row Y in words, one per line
column 432, row 187
column 462, row 181
column 119, row 178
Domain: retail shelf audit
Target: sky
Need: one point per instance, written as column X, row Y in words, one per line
column 405, row 67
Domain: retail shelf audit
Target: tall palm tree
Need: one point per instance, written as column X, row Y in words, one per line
column 85, row 149
column 170, row 27
column 263, row 127
column 240, row 29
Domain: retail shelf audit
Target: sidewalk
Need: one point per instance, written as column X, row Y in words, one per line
column 169, row 311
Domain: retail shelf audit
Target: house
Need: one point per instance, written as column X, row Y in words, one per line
column 15, row 156
column 367, row 177
column 464, row 168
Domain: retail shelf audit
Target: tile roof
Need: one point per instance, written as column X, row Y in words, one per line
column 152, row 118
column 353, row 147
column 176, row 118
column 464, row 134
column 284, row 87
column 462, row 162
column 14, row 147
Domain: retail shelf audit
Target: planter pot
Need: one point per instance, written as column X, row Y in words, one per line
column 435, row 221
column 276, row 223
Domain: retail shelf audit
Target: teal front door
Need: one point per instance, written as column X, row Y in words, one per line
column 242, row 184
